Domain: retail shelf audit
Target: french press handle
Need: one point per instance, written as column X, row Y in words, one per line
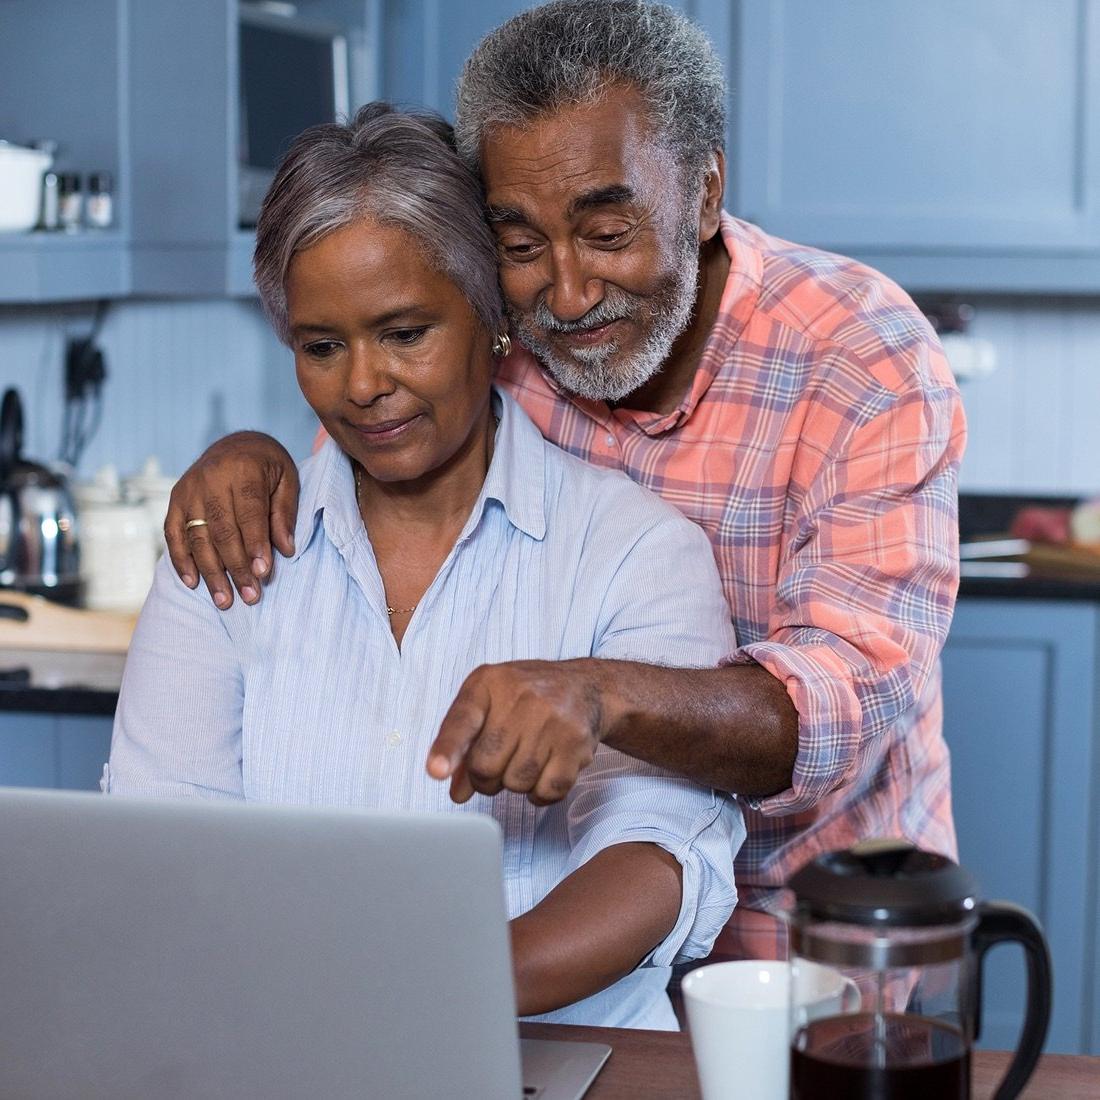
column 1003, row 922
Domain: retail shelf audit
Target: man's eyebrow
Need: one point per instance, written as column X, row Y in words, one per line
column 616, row 194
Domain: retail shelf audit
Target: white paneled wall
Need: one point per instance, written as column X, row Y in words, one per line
column 184, row 372
column 179, row 374
column 1035, row 422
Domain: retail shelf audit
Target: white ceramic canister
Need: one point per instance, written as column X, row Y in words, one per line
column 21, row 172
column 151, row 489
column 117, row 556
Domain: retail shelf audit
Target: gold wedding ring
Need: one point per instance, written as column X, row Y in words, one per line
column 194, row 523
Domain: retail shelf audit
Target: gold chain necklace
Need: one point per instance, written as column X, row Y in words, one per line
column 358, row 485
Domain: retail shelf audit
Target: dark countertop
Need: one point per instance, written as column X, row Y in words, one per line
column 1028, row 588
column 50, row 682
column 992, row 514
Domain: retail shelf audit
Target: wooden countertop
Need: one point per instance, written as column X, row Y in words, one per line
column 647, row 1065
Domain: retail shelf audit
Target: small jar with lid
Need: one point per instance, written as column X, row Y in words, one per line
column 70, row 201
column 99, row 205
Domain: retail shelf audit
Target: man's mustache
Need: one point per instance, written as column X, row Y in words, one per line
column 615, row 307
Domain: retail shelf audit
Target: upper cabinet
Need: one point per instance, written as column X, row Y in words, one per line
column 151, row 90
column 60, row 79
column 953, row 145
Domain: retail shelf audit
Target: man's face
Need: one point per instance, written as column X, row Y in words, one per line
column 599, row 248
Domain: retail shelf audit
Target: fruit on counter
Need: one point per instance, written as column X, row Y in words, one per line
column 1042, row 524
column 1084, row 524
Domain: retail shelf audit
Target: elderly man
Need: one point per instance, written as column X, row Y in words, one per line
column 793, row 403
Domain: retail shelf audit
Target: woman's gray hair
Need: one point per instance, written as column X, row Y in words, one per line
column 571, row 51
column 401, row 170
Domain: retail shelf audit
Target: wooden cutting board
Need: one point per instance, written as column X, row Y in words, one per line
column 31, row 622
column 1079, row 559
column 1076, row 560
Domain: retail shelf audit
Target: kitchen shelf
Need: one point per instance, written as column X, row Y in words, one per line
column 55, row 267
column 182, row 269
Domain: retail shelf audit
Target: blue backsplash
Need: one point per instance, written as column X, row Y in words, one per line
column 182, row 373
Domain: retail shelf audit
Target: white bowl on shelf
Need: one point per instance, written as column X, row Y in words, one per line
column 21, row 172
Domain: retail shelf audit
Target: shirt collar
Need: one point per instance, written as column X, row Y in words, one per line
column 516, row 480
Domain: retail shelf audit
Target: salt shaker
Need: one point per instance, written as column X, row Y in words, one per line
column 70, row 201
column 99, row 205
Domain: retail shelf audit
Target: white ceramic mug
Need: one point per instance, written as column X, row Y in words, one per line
column 740, row 1022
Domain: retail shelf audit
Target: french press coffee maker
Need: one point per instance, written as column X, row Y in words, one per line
column 908, row 928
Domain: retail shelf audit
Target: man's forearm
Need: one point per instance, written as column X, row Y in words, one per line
column 734, row 729
column 595, row 926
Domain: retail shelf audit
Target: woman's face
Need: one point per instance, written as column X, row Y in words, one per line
column 389, row 353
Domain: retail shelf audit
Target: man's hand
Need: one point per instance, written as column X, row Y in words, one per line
column 245, row 487
column 526, row 726
column 531, row 726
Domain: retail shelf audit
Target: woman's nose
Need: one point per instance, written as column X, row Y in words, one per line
column 368, row 378
column 572, row 291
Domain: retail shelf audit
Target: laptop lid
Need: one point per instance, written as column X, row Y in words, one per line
column 171, row 949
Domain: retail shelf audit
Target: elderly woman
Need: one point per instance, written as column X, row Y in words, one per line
column 438, row 531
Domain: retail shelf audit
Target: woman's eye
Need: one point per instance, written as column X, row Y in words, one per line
column 406, row 337
column 320, row 349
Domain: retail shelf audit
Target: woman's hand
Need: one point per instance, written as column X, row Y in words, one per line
column 245, row 487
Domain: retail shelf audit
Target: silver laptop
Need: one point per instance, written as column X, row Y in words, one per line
column 197, row 949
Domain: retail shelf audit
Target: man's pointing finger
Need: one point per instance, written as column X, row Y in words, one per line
column 460, row 727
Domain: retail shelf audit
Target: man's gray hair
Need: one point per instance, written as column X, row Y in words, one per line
column 569, row 52
column 399, row 169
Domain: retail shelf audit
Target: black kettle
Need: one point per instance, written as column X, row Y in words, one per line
column 39, row 549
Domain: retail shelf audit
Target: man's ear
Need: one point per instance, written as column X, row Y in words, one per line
column 714, row 185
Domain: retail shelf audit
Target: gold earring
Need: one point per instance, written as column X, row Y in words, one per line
column 502, row 345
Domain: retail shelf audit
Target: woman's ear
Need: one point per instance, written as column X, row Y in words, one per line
column 714, row 186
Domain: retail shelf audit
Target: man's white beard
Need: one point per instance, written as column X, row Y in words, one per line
column 601, row 373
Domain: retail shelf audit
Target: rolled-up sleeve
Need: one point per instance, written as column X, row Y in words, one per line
column 867, row 586
column 619, row 800
column 664, row 606
column 177, row 730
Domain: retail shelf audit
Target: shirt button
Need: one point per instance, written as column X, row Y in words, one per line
column 611, row 441
column 394, row 738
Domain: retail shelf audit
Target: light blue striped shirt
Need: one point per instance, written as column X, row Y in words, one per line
column 306, row 698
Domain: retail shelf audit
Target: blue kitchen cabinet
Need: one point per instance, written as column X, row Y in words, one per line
column 426, row 42
column 1021, row 721
column 53, row 750
column 149, row 90
column 953, row 146
column 59, row 80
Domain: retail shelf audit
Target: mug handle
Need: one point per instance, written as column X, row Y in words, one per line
column 851, row 1000
column 1003, row 922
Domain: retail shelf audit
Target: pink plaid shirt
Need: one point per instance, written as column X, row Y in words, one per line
column 819, row 449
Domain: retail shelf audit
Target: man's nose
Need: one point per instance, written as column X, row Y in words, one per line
column 368, row 377
column 573, row 291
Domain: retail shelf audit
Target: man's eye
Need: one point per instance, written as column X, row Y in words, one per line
column 320, row 349
column 520, row 250
column 614, row 236
column 406, row 337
